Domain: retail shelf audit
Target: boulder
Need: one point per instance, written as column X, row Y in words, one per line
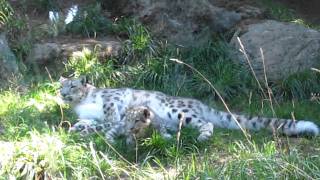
column 106, row 47
column 53, row 55
column 288, row 48
column 185, row 23
column 44, row 53
column 8, row 61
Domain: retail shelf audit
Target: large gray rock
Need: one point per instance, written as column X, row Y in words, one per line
column 53, row 55
column 8, row 61
column 43, row 54
column 288, row 48
column 106, row 47
column 186, row 23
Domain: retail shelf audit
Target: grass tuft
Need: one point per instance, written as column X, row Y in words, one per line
column 89, row 21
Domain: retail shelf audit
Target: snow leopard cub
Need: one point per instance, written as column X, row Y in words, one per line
column 137, row 121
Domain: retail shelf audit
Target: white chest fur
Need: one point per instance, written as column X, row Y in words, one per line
column 90, row 108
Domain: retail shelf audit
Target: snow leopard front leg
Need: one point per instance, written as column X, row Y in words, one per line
column 205, row 128
column 112, row 117
column 89, row 126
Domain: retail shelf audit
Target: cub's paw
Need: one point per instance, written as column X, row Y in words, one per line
column 204, row 137
column 110, row 139
column 84, row 126
column 206, row 131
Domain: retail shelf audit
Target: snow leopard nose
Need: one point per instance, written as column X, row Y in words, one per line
column 63, row 94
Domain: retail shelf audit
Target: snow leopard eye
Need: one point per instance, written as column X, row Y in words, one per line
column 72, row 85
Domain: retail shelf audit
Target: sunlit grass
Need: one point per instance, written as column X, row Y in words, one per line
column 45, row 150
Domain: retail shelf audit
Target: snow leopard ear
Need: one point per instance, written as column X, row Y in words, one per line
column 62, row 79
column 146, row 113
column 83, row 80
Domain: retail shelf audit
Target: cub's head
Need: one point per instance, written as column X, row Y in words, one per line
column 73, row 90
column 138, row 119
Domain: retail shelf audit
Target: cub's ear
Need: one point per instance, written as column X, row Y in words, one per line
column 62, row 79
column 83, row 80
column 146, row 113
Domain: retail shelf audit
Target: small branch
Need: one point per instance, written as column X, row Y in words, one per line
column 266, row 83
column 251, row 68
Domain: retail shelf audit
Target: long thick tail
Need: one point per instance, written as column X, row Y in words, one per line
column 288, row 127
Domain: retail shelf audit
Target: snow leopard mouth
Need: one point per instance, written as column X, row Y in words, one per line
column 67, row 99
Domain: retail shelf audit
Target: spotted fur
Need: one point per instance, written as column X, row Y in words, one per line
column 110, row 105
column 137, row 120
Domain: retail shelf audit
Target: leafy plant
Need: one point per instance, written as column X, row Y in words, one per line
column 16, row 28
column 40, row 6
column 88, row 64
column 283, row 13
column 89, row 21
column 298, row 86
column 279, row 11
column 6, row 13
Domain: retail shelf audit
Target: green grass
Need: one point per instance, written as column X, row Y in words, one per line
column 89, row 21
column 281, row 12
column 34, row 145
column 35, row 142
column 6, row 13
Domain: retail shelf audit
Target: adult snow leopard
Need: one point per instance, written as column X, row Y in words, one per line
column 108, row 106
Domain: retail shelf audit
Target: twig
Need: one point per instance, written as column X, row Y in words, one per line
column 251, row 68
column 136, row 149
column 266, row 83
column 49, row 74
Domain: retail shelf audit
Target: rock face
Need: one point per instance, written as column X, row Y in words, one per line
column 8, row 61
column 288, row 48
column 43, row 54
column 53, row 54
column 104, row 47
column 186, row 23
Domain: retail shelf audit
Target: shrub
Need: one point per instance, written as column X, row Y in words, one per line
column 89, row 21
column 6, row 13
column 98, row 71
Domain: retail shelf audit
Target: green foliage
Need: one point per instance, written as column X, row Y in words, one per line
column 214, row 62
column 16, row 29
column 280, row 12
column 41, row 6
column 44, row 5
column 139, row 45
column 139, row 37
column 100, row 72
column 6, row 13
column 298, row 86
column 89, row 21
